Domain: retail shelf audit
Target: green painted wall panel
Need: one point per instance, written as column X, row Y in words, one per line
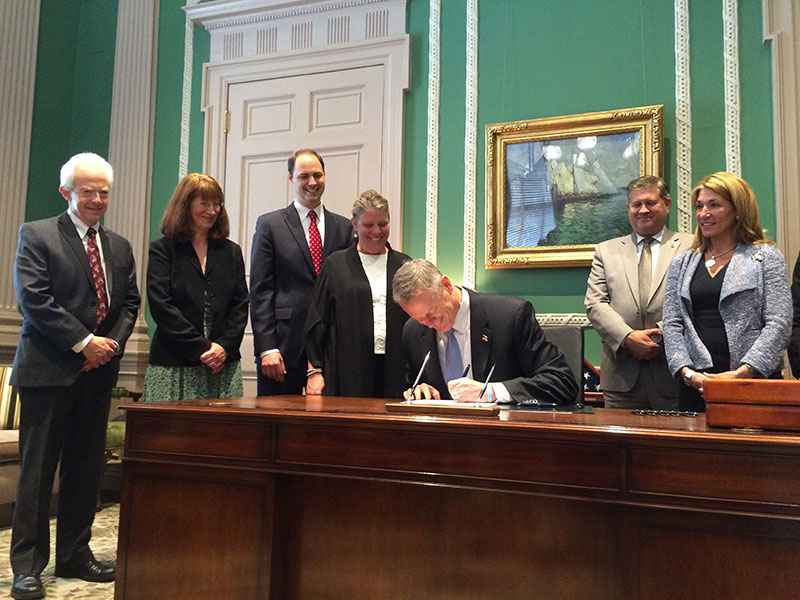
column 72, row 98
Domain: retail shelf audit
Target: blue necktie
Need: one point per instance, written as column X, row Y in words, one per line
column 452, row 357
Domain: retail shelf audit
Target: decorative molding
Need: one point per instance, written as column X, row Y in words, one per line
column 432, row 184
column 683, row 116
column 470, row 142
column 131, row 145
column 560, row 319
column 730, row 20
column 19, row 36
column 782, row 29
column 298, row 24
column 186, row 92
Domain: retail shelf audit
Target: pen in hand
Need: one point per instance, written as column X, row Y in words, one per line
column 419, row 375
column 486, row 383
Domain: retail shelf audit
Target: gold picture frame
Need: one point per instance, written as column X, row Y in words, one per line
column 555, row 187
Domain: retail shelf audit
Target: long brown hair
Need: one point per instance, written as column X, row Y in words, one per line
column 177, row 221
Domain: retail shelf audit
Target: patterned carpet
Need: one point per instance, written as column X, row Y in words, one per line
column 104, row 546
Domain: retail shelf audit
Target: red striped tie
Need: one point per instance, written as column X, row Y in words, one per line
column 96, row 266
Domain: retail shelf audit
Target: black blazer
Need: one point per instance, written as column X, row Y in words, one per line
column 503, row 332
column 282, row 279
column 340, row 328
column 56, row 296
column 794, row 341
column 175, row 293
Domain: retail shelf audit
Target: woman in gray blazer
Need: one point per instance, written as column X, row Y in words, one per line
column 727, row 310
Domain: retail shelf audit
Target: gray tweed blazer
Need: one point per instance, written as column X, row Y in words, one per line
column 755, row 305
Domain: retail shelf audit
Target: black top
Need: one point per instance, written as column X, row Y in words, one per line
column 339, row 330
column 191, row 308
column 705, row 291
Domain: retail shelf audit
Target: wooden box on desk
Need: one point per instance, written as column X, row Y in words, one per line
column 756, row 403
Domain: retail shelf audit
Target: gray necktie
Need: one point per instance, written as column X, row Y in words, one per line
column 645, row 277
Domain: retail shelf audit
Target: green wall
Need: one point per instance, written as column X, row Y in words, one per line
column 72, row 102
column 570, row 58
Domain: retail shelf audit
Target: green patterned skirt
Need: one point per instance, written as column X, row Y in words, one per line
column 165, row 384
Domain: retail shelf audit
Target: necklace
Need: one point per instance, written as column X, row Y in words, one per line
column 713, row 260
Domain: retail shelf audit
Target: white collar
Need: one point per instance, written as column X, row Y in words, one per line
column 657, row 237
column 461, row 323
column 303, row 211
column 82, row 227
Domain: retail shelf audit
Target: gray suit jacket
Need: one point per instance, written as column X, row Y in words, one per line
column 56, row 296
column 612, row 303
column 755, row 305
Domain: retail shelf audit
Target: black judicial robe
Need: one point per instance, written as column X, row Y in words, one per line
column 339, row 327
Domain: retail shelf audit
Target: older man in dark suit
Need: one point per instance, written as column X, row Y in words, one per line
column 289, row 246
column 76, row 289
column 471, row 335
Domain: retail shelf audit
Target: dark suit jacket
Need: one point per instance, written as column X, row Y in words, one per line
column 340, row 328
column 175, row 294
column 503, row 332
column 282, row 279
column 794, row 341
column 56, row 296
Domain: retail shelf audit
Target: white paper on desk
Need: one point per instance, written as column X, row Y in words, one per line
column 450, row 403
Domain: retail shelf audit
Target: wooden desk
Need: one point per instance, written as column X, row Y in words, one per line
column 289, row 498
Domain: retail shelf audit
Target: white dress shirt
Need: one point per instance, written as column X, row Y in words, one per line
column 83, row 230
column 655, row 249
column 305, row 221
column 461, row 326
column 375, row 268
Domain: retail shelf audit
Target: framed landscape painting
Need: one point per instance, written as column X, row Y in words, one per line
column 555, row 187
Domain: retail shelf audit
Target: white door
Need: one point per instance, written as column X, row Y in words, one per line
column 338, row 113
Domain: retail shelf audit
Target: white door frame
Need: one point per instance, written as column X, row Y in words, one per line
column 392, row 53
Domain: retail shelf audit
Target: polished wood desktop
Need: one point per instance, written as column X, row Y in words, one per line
column 335, row 498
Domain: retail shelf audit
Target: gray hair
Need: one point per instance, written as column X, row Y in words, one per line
column 89, row 159
column 413, row 277
column 647, row 181
column 369, row 200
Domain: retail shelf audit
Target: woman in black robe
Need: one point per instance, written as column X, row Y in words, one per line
column 354, row 328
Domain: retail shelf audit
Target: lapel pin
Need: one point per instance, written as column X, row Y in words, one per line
column 484, row 338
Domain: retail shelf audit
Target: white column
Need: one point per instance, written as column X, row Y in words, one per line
column 130, row 153
column 19, row 34
column 782, row 27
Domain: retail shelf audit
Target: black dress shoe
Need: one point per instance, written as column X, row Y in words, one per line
column 88, row 570
column 27, row 587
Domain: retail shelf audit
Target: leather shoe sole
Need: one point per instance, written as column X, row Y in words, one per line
column 92, row 570
column 27, row 587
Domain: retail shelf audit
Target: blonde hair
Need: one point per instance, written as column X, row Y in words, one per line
column 369, row 200
column 738, row 192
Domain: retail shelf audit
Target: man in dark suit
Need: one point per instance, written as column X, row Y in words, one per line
column 289, row 246
column 468, row 334
column 76, row 289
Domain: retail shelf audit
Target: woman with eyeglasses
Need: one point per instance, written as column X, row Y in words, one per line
column 727, row 309
column 197, row 295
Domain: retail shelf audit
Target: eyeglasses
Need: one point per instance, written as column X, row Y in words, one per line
column 206, row 204
column 89, row 193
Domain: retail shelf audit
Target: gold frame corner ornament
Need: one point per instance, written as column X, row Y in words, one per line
column 647, row 120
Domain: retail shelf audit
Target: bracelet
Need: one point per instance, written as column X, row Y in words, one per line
column 687, row 375
column 313, row 371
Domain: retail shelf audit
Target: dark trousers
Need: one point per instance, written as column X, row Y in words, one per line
column 66, row 423
column 293, row 383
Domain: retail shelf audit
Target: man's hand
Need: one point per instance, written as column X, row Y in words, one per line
column 423, row 391
column 315, row 384
column 98, row 352
column 464, row 389
column 272, row 366
column 641, row 343
column 214, row 358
